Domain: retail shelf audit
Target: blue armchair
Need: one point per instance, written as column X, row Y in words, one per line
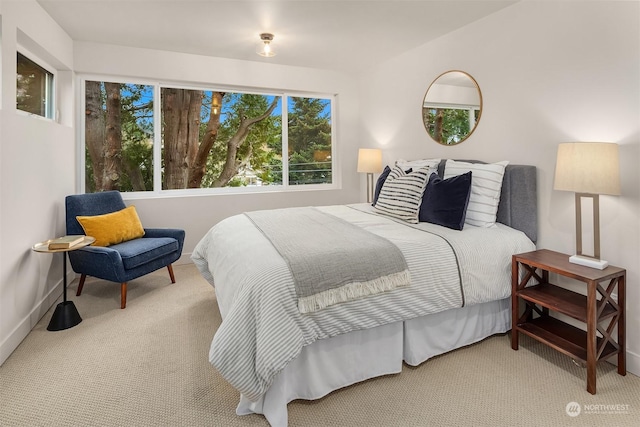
column 119, row 263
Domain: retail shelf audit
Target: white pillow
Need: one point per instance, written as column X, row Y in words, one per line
column 416, row 164
column 401, row 194
column 486, row 185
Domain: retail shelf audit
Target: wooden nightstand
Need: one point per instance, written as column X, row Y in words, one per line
column 587, row 346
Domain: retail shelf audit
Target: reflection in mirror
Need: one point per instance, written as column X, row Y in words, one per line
column 452, row 107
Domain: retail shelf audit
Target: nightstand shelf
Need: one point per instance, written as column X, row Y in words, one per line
column 565, row 338
column 598, row 309
column 562, row 300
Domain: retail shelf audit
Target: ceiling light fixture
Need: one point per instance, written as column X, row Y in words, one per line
column 265, row 47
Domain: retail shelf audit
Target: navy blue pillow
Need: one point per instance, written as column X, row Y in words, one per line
column 445, row 201
column 381, row 179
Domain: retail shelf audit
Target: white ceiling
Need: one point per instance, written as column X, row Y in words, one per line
column 346, row 35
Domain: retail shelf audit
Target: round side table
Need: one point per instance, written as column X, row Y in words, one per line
column 65, row 315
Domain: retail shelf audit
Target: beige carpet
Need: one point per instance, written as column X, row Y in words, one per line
column 147, row 366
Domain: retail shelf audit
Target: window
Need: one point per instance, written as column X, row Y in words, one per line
column 213, row 139
column 118, row 137
column 309, row 131
column 34, row 88
column 203, row 139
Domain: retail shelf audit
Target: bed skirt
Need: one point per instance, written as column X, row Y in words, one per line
column 341, row 361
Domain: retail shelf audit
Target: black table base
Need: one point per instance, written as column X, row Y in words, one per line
column 65, row 316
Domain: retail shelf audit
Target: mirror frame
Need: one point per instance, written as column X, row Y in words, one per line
column 477, row 121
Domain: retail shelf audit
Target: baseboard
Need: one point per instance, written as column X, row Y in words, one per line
column 21, row 331
column 633, row 363
column 185, row 258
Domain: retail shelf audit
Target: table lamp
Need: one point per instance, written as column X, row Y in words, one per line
column 369, row 161
column 588, row 169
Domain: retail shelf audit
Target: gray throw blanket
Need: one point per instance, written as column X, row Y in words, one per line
column 331, row 260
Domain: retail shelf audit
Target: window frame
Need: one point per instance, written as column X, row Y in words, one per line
column 50, row 89
column 157, row 191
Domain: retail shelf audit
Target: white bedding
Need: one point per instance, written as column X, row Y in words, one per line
column 346, row 359
column 262, row 330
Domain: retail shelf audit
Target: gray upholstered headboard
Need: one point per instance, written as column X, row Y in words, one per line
column 518, row 199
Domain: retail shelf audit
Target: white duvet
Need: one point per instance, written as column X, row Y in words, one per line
column 262, row 329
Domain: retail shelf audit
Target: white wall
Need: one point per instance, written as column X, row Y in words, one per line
column 550, row 72
column 39, row 157
column 36, row 172
column 196, row 214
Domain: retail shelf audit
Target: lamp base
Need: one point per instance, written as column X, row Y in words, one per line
column 589, row 262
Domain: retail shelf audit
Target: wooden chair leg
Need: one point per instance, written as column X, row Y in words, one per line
column 123, row 295
column 81, row 284
column 170, row 268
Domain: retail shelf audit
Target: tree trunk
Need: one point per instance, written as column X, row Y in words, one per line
column 113, row 146
column 135, row 176
column 198, row 168
column 438, row 136
column 232, row 165
column 94, row 130
column 181, row 120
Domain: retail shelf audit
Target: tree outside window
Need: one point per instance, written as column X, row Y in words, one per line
column 309, row 133
column 118, row 136
column 209, row 139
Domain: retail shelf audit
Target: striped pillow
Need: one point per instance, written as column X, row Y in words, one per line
column 401, row 194
column 486, row 185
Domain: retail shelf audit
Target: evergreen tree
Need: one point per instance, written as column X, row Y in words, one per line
column 309, row 141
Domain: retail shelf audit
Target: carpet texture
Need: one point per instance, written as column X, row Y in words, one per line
column 147, row 366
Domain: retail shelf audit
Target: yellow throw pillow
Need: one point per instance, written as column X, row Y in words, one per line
column 113, row 228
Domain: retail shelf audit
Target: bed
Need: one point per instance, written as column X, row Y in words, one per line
column 273, row 354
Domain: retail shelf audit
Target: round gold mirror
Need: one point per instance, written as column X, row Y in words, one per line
column 452, row 107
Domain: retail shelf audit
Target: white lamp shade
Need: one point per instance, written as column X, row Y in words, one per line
column 369, row 160
column 588, row 167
